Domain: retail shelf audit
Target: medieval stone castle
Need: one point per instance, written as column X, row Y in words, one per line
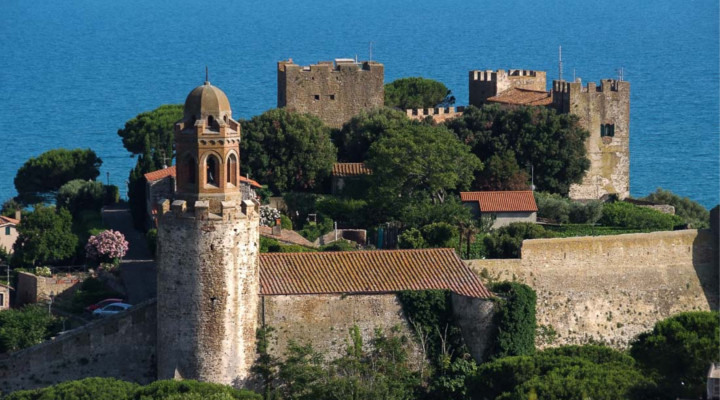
column 337, row 92
column 215, row 288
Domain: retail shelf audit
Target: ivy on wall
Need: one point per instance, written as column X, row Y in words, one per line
column 514, row 319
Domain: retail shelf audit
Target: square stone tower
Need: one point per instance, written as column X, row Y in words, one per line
column 334, row 92
column 604, row 110
column 485, row 84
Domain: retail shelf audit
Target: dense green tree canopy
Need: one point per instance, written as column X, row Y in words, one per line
column 78, row 195
column 554, row 144
column 416, row 92
column 678, row 352
column 152, row 131
column 25, row 327
column 40, row 177
column 364, row 129
column 419, row 163
column 566, row 373
column 287, row 151
column 692, row 212
column 44, row 236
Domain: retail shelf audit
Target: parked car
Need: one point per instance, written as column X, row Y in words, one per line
column 111, row 309
column 103, row 303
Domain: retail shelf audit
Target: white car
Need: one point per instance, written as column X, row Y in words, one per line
column 111, row 309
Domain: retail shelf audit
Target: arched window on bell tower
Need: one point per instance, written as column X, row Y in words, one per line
column 212, row 171
column 232, row 170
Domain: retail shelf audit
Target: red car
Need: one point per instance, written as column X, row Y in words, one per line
column 101, row 304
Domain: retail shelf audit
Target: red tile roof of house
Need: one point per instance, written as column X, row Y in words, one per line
column 171, row 171
column 350, row 169
column 523, row 97
column 502, row 201
column 379, row 271
column 160, row 174
column 7, row 220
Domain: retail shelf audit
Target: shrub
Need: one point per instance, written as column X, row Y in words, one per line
column 350, row 211
column 78, row 195
column 25, row 327
column 107, row 246
column 515, row 320
column 692, row 212
column 340, row 245
column 88, row 388
column 285, row 222
column 440, row 234
column 268, row 215
column 43, row 271
column 631, row 216
column 411, row 239
column 507, row 241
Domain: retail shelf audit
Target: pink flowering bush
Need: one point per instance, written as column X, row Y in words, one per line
column 106, row 246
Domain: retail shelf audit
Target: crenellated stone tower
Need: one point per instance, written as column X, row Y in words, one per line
column 604, row 110
column 208, row 244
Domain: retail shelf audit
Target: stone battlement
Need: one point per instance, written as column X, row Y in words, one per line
column 229, row 210
column 338, row 65
column 438, row 114
column 490, row 75
column 606, row 85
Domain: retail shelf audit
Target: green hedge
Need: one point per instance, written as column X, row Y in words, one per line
column 628, row 215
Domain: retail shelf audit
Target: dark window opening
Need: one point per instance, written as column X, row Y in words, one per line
column 191, row 170
column 2, row 299
column 607, row 130
column 317, row 97
column 211, row 171
column 226, row 119
column 7, row 230
column 210, row 120
column 232, row 170
column 332, row 97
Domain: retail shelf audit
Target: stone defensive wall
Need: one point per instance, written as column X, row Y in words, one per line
column 325, row 320
column 438, row 114
column 120, row 346
column 611, row 288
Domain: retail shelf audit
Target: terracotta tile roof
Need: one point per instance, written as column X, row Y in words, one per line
column 350, row 169
column 523, row 97
column 250, row 182
column 7, row 220
column 160, row 174
column 503, row 201
column 171, row 171
column 286, row 236
column 380, row 271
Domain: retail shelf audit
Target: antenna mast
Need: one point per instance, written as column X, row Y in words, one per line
column 560, row 62
column 371, row 44
column 621, row 74
column 206, row 74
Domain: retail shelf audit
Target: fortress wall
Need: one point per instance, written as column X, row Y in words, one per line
column 121, row 346
column 611, row 288
column 325, row 320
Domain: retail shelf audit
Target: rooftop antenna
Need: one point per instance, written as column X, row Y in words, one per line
column 371, row 44
column 574, row 78
column 560, row 62
column 206, row 75
column 621, row 74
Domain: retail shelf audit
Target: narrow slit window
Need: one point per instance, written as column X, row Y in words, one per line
column 607, row 130
column 211, row 171
column 317, row 97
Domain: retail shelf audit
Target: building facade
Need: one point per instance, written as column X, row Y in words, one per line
column 332, row 91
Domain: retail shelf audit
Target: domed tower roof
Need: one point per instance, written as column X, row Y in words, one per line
column 207, row 100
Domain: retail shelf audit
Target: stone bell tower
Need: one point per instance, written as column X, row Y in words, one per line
column 208, row 244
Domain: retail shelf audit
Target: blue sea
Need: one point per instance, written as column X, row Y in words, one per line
column 73, row 71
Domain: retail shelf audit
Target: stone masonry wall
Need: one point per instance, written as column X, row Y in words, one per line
column 208, row 285
column 32, row 288
column 120, row 346
column 598, row 105
column 611, row 288
column 333, row 92
column 485, row 84
column 325, row 321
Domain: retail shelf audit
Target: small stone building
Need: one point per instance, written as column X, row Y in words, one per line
column 8, row 231
column 505, row 206
column 349, row 177
column 4, row 296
